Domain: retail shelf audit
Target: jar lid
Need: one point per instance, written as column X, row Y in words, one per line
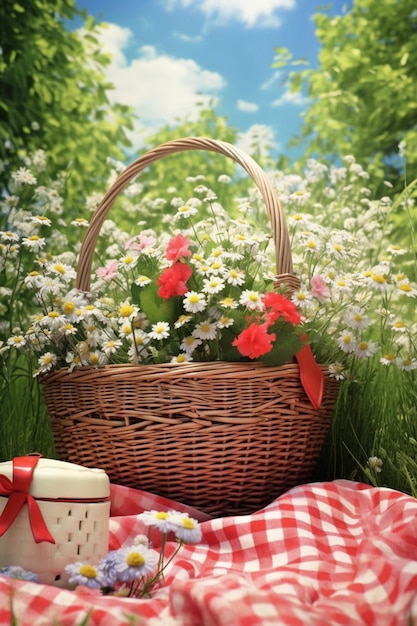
column 61, row 480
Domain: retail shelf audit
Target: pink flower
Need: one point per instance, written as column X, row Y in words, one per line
column 173, row 280
column 177, row 248
column 254, row 341
column 108, row 272
column 319, row 289
column 277, row 306
column 145, row 241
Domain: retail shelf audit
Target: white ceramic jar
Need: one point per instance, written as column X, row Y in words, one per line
column 74, row 502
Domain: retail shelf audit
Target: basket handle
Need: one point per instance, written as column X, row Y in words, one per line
column 279, row 227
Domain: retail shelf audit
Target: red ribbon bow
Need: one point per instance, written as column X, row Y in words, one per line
column 18, row 492
column 311, row 376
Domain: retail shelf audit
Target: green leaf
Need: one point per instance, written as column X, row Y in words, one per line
column 283, row 350
column 227, row 351
column 155, row 308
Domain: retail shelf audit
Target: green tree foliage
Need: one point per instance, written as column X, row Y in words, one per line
column 53, row 92
column 364, row 92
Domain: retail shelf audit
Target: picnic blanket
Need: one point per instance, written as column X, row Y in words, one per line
column 326, row 553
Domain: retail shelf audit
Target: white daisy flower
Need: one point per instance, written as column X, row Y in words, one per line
column 377, row 281
column 183, row 319
column 34, row 242
column 375, row 463
column 162, row 520
column 33, row 280
column 183, row 357
column 216, row 265
column 336, row 370
column 24, row 176
column 69, row 329
column 387, row 359
column 127, row 311
column 40, row 220
column 398, row 326
column 235, row 277
column 160, row 330
column 347, row 342
column 365, row 349
column 194, row 302
column 18, row 341
column 185, row 528
column 229, row 303
column 66, row 272
column 205, row 330
column 406, row 364
column 80, row 222
column 96, row 358
column 190, row 343
column 225, row 322
column 129, row 260
column 111, row 346
column 214, row 284
column 49, row 287
column 356, row 318
column 47, row 361
column 142, row 281
column 8, row 237
column 185, row 211
column 407, row 289
column 126, row 330
column 252, row 300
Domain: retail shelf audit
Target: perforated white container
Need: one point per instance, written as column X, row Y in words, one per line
column 75, row 504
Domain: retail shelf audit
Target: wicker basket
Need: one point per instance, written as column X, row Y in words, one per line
column 226, row 438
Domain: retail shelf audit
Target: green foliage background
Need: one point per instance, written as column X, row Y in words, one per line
column 54, row 95
column 364, row 91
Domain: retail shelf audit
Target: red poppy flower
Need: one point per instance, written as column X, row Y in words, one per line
column 254, row 341
column 178, row 247
column 173, row 280
column 279, row 306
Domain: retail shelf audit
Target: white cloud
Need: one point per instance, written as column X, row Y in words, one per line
column 247, row 107
column 289, row 97
column 188, row 38
column 161, row 89
column 258, row 138
column 114, row 39
column 252, row 13
column 271, row 81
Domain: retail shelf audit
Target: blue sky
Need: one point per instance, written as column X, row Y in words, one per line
column 168, row 55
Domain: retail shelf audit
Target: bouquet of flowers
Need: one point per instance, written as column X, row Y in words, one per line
column 204, row 294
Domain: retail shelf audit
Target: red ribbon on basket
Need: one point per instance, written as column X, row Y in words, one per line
column 18, row 492
column 311, row 375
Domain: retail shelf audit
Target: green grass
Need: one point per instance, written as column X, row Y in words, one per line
column 374, row 417
column 24, row 423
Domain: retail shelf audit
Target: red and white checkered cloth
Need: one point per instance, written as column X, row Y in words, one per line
column 322, row 554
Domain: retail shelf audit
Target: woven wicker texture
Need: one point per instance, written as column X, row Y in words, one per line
column 223, row 437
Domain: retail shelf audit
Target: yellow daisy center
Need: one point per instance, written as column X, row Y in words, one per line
column 88, row 571
column 135, row 559
column 378, row 278
column 68, row 308
column 126, row 310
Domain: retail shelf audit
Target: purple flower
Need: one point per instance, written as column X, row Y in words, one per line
column 18, row 573
column 134, row 562
column 85, row 574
